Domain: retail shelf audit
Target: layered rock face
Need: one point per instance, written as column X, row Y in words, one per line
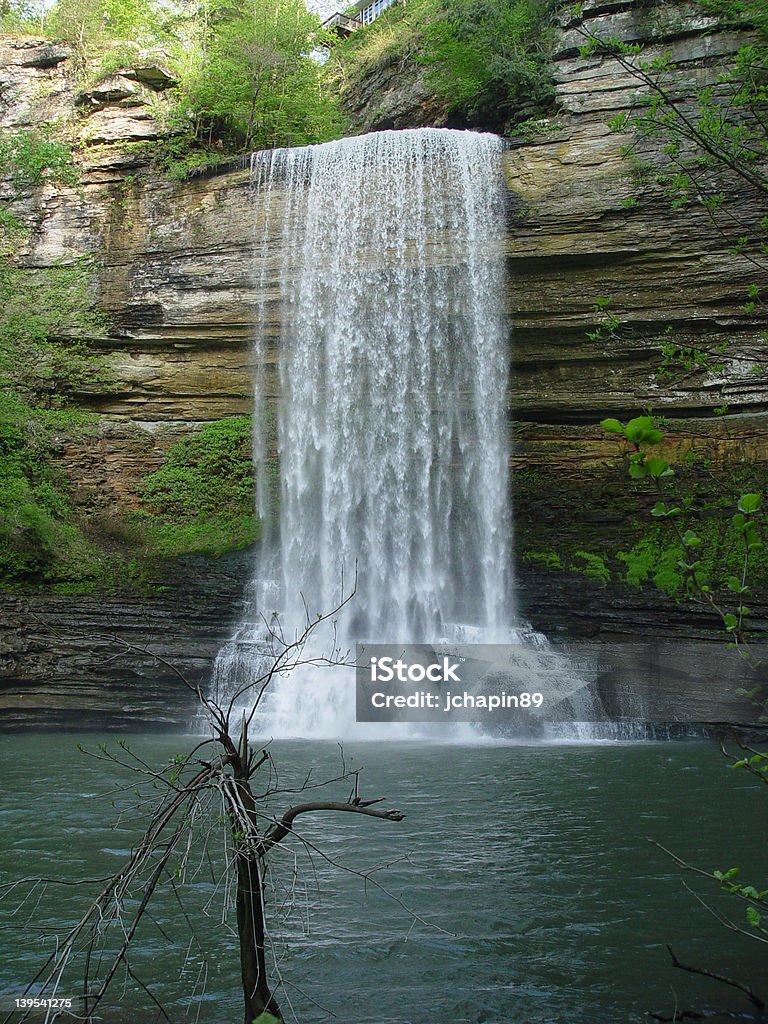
column 177, row 279
column 592, row 222
column 588, row 222
column 120, row 663
column 585, row 223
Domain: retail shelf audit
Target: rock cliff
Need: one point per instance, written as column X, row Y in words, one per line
column 113, row 662
column 584, row 223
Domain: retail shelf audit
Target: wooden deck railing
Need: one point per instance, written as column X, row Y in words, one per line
column 342, row 23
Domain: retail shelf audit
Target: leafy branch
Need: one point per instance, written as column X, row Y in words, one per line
column 641, row 439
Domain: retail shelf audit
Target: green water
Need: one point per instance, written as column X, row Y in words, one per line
column 536, row 893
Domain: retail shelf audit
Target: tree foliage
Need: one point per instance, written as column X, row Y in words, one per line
column 21, row 15
column 246, row 75
column 92, row 21
column 642, row 439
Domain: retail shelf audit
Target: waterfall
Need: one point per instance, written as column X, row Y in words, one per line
column 382, row 333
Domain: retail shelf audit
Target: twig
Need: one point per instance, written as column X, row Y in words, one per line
column 722, row 978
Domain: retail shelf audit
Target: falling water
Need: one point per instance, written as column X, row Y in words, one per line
column 392, row 431
column 386, row 253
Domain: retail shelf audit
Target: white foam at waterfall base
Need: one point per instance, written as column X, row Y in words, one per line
column 391, row 427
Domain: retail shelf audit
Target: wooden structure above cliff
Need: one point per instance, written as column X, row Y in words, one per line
column 365, row 11
column 341, row 24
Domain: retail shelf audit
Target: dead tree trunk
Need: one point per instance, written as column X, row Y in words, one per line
column 251, row 933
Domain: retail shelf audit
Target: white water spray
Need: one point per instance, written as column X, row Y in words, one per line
column 391, row 432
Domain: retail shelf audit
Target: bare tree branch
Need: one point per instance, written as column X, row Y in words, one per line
column 285, row 825
column 722, row 978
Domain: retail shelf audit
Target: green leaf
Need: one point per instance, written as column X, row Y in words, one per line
column 690, row 539
column 753, row 917
column 612, row 426
column 637, row 471
column 749, row 503
column 730, row 622
column 752, row 538
column 660, row 511
column 657, row 467
column 637, row 428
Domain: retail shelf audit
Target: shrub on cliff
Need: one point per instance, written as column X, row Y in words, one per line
column 38, row 537
column 202, row 498
column 40, row 312
column 489, row 57
column 485, row 60
column 208, row 472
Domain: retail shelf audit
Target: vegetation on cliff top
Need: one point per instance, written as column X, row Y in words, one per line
column 245, row 74
column 248, row 76
column 486, row 61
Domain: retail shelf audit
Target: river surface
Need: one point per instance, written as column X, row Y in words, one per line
column 521, row 886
